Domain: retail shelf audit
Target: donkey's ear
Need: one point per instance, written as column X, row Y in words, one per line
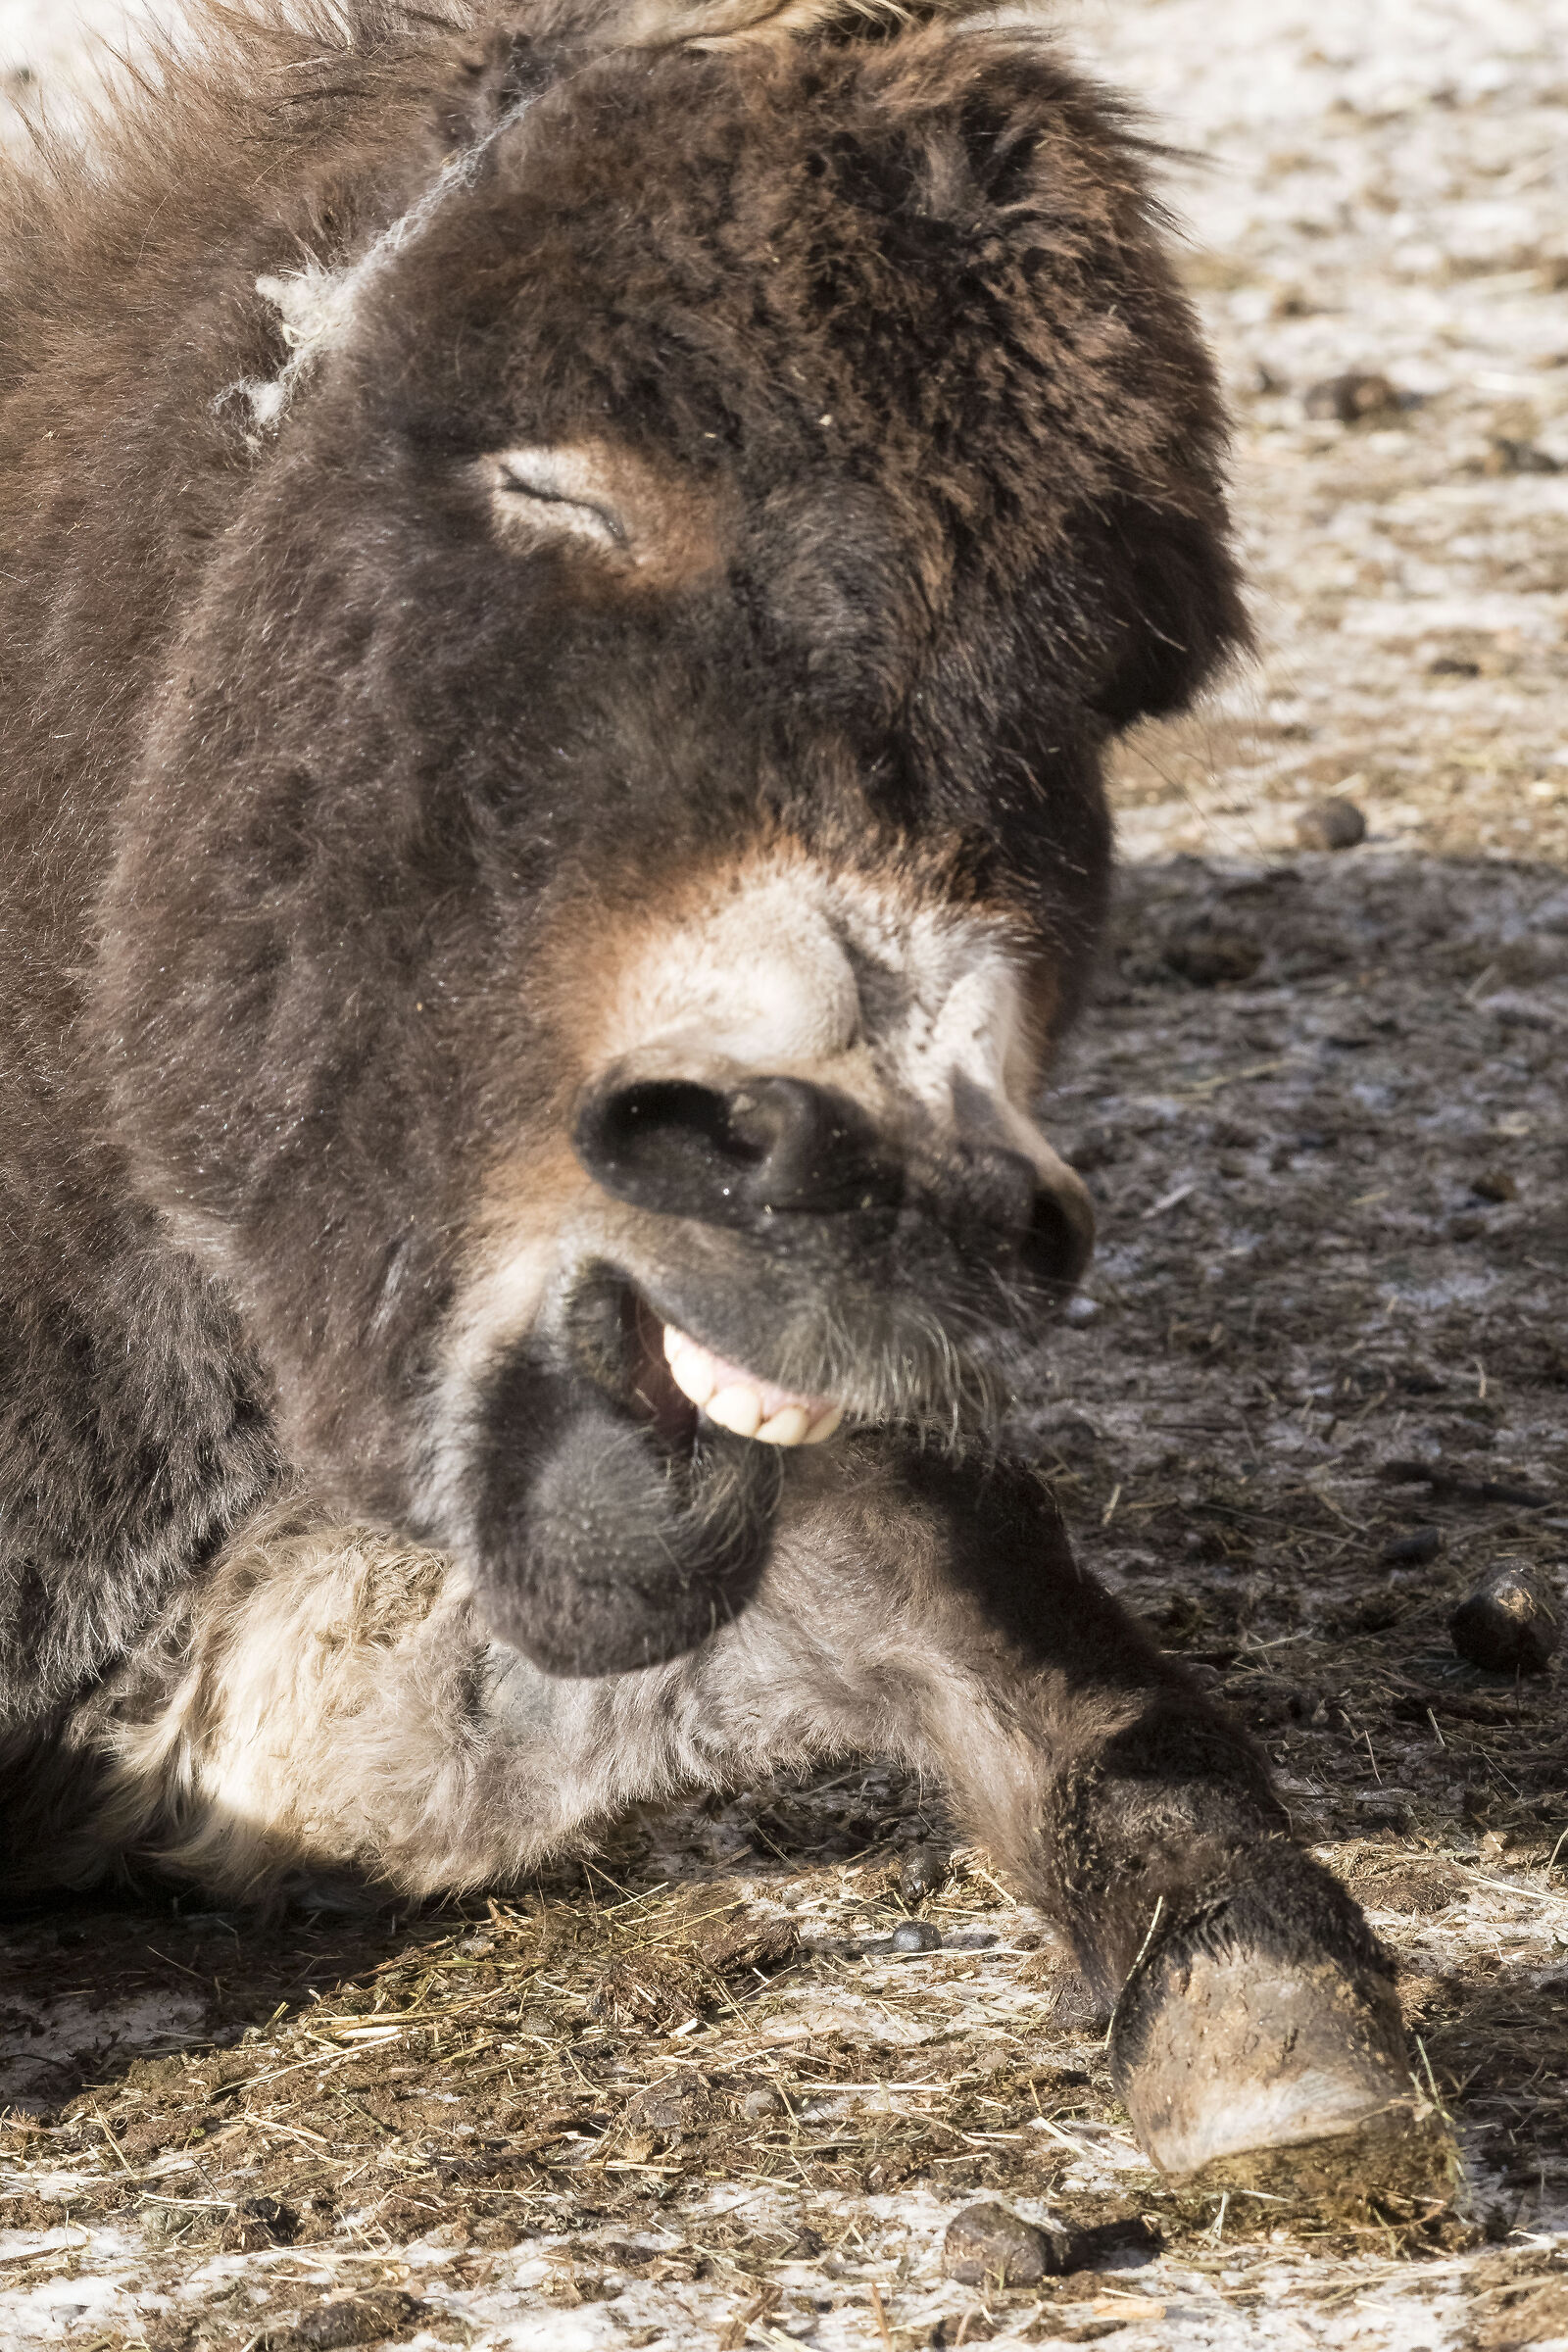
column 1172, row 614
column 492, row 81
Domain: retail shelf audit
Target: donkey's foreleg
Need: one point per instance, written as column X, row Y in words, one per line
column 331, row 1702
column 1254, row 2010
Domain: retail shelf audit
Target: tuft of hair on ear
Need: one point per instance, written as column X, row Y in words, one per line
column 1176, row 614
column 494, row 80
column 746, row 24
column 504, row 69
column 513, row 65
column 1001, row 143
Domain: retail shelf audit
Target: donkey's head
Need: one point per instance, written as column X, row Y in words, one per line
column 627, row 828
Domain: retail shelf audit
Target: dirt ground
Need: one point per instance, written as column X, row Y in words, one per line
column 1317, row 1385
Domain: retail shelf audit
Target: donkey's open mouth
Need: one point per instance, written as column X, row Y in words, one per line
column 862, row 1355
column 676, row 1386
column 674, row 1378
column 752, row 1408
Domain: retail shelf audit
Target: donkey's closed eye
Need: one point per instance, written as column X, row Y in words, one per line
column 559, row 489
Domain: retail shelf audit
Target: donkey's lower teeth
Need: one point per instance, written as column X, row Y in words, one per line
column 737, row 1401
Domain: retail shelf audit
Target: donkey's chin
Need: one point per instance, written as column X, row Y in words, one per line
column 613, row 1532
column 627, row 1474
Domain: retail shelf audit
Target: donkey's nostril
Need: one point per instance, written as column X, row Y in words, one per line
column 728, row 1154
column 1060, row 1239
column 667, row 1144
column 1041, row 1212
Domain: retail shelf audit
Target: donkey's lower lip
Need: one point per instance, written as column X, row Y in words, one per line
column 739, row 1401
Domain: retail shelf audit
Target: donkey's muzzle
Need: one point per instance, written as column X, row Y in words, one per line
column 772, row 1156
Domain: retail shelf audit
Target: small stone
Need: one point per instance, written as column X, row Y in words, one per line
column 759, row 2104
column 970, row 1939
column 257, row 2224
column 1333, row 824
column 668, row 2107
column 1413, row 1551
column 917, row 1935
column 1080, row 1310
column 1506, row 456
column 353, row 2319
column 1495, row 1183
column 282, row 2222
column 1509, row 1622
column 1098, row 1147
column 1214, row 958
column 988, row 2246
column 1351, row 399
column 923, row 1871
column 1380, row 1812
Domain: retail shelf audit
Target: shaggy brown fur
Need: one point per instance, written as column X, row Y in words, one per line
column 568, row 572
column 286, row 906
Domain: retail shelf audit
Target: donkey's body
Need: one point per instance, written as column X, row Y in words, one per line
column 569, row 574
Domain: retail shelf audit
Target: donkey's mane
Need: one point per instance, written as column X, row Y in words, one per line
column 230, row 43
column 230, row 109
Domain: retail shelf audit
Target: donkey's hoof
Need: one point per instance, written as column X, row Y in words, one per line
column 1247, row 2069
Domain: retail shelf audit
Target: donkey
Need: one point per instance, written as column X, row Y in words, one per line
column 571, row 564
